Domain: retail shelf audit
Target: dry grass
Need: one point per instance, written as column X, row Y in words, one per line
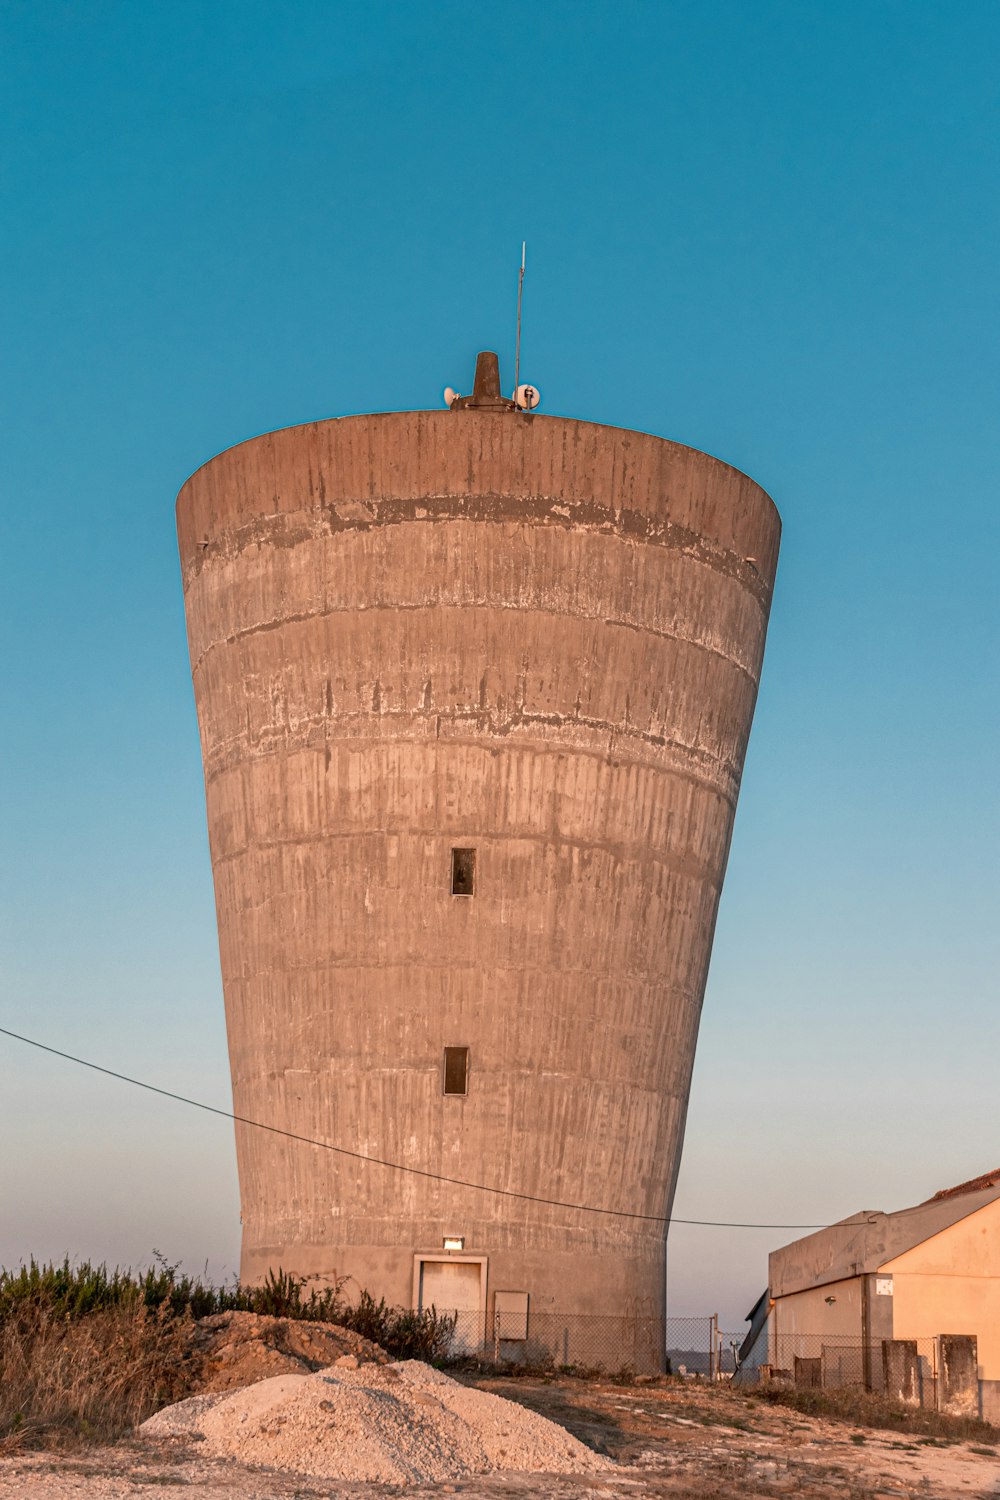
column 863, row 1409
column 87, row 1379
column 87, row 1353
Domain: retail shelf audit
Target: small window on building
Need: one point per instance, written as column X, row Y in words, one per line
column 463, row 872
column 456, row 1070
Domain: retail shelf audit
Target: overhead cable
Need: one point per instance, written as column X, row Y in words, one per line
column 378, row 1161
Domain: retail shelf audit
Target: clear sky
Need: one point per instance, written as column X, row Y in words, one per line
column 769, row 230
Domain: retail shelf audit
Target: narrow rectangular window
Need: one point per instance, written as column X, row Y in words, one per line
column 463, row 872
column 456, row 1070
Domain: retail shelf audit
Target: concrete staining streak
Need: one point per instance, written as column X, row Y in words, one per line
column 533, row 637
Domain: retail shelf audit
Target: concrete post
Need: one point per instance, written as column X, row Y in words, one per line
column 958, row 1374
column 901, row 1371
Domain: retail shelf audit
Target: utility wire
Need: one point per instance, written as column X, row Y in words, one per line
column 378, row 1161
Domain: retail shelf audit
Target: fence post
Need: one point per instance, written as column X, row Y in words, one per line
column 713, row 1340
column 934, row 1370
column 496, row 1338
column 866, row 1333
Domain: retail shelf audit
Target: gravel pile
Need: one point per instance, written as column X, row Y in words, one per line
column 399, row 1424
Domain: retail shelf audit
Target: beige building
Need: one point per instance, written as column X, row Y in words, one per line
column 843, row 1302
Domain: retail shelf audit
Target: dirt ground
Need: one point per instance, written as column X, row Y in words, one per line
column 671, row 1440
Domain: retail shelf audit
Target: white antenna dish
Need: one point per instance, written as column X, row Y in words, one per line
column 449, row 395
column 527, row 397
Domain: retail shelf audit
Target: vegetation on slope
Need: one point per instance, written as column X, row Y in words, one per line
column 869, row 1409
column 89, row 1352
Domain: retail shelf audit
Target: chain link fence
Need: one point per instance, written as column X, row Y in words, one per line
column 906, row 1371
column 635, row 1342
column 939, row 1373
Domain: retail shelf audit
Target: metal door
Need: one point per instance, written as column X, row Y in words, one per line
column 454, row 1286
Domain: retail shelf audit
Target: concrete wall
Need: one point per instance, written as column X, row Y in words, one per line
column 800, row 1322
column 536, row 637
column 951, row 1284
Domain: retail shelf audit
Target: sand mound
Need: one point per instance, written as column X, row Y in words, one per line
column 234, row 1349
column 401, row 1423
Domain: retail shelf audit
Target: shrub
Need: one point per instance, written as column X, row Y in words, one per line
column 88, row 1353
column 425, row 1335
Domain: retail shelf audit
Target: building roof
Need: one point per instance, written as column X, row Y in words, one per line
column 988, row 1180
column 863, row 1243
column 756, row 1317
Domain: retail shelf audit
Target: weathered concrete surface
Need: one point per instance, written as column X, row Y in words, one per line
column 534, row 637
column 901, row 1371
column 958, row 1375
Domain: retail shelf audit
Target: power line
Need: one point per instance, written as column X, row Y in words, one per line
column 378, row 1161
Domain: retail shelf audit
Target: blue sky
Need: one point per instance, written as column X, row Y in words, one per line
column 767, row 230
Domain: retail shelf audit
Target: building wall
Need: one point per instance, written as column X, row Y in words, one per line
column 536, row 637
column 951, row 1284
column 802, row 1320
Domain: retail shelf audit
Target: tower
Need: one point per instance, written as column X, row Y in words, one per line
column 474, row 689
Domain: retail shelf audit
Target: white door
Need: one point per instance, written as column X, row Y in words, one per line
column 454, row 1286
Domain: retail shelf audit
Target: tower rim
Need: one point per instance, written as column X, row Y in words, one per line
column 477, row 414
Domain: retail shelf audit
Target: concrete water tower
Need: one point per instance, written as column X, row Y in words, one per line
column 474, row 689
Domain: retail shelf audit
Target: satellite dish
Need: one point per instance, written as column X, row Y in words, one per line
column 527, row 397
column 449, row 395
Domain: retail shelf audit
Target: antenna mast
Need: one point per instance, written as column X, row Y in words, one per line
column 517, row 347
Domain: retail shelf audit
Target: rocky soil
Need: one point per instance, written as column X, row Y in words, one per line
column 669, row 1441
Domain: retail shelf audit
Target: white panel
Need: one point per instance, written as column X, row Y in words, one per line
column 512, row 1310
